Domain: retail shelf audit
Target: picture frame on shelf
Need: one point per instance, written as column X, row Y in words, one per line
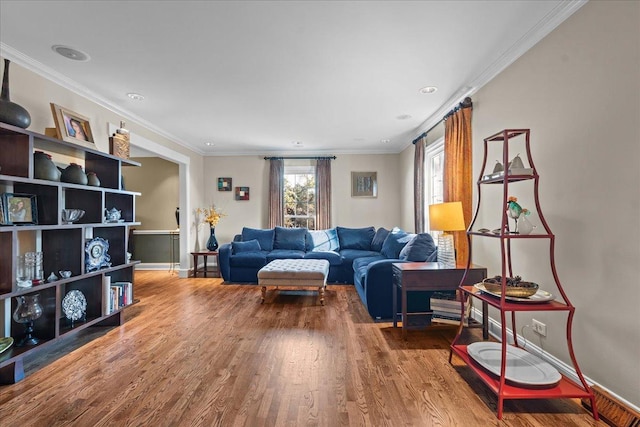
column 242, row 193
column 364, row 184
column 224, row 184
column 72, row 127
column 19, row 209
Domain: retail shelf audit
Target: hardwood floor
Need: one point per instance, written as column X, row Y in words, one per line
column 197, row 352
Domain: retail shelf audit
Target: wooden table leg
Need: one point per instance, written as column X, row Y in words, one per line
column 321, row 291
column 395, row 305
column 195, row 265
column 404, row 312
column 264, row 294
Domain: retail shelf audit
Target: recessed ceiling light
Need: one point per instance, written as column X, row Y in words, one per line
column 70, row 53
column 297, row 143
column 209, row 144
column 404, row 117
column 135, row 96
column 385, row 141
column 428, row 89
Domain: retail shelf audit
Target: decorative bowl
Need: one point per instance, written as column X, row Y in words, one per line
column 71, row 215
column 517, row 288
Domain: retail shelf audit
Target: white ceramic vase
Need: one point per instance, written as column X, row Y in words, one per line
column 524, row 225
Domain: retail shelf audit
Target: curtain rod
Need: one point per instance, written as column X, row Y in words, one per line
column 301, row 158
column 466, row 103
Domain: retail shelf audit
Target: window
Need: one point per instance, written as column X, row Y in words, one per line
column 300, row 196
column 434, row 176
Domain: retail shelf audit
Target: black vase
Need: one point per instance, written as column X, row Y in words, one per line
column 10, row 112
column 212, row 243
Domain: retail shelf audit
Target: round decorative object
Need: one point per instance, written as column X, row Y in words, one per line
column 74, row 175
column 44, row 168
column 71, row 215
column 10, row 112
column 515, row 287
column 524, row 225
column 96, row 256
column 74, row 305
column 92, row 179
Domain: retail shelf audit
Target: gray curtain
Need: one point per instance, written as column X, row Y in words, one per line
column 323, row 194
column 418, row 184
column 276, row 193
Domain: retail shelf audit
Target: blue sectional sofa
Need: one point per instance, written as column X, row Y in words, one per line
column 362, row 256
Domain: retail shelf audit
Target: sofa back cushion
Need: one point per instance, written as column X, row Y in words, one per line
column 378, row 239
column 394, row 243
column 290, row 238
column 420, row 249
column 263, row 236
column 248, row 246
column 322, row 240
column 356, row 238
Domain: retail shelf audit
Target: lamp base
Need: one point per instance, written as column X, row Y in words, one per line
column 446, row 251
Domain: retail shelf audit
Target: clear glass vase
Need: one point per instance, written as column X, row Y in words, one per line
column 28, row 310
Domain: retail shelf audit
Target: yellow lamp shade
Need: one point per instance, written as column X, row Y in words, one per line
column 446, row 217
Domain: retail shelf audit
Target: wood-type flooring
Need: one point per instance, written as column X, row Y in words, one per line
column 196, row 352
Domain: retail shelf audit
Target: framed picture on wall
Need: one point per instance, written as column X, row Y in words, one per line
column 364, row 184
column 224, row 184
column 242, row 193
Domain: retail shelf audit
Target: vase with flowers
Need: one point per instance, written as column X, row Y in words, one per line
column 211, row 216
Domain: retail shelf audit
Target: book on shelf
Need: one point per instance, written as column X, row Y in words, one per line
column 449, row 320
column 121, row 295
column 443, row 300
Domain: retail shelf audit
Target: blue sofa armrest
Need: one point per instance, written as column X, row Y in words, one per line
column 224, row 255
column 378, row 283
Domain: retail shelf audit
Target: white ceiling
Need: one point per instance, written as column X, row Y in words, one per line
column 257, row 76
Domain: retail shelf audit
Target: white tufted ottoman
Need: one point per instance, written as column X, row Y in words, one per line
column 295, row 272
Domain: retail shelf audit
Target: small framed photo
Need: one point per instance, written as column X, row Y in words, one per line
column 224, row 184
column 364, row 184
column 72, row 127
column 19, row 208
column 242, row 193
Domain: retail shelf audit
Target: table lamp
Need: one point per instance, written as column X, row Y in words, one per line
column 446, row 217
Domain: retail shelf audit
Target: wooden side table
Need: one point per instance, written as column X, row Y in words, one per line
column 430, row 276
column 205, row 254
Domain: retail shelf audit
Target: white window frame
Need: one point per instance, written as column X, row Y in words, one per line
column 432, row 151
column 301, row 170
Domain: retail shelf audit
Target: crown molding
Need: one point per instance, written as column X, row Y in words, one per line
column 50, row 74
column 546, row 25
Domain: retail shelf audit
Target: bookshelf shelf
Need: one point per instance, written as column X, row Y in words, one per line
column 566, row 388
column 62, row 245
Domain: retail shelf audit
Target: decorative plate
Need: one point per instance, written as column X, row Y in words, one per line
column 96, row 256
column 74, row 305
column 5, row 343
column 540, row 296
column 522, row 368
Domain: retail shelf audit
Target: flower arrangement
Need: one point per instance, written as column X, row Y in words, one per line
column 212, row 215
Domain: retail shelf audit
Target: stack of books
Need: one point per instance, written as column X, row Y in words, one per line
column 117, row 295
column 445, row 308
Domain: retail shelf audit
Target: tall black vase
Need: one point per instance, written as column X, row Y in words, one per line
column 212, row 243
column 10, row 112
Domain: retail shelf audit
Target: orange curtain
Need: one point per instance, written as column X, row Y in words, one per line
column 458, row 185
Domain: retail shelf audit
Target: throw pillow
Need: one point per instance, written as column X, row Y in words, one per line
column 263, row 236
column 290, row 238
column 394, row 243
column 378, row 239
column 248, row 246
column 419, row 248
column 322, row 240
column 356, row 238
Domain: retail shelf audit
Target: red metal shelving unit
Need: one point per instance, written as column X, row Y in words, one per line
column 566, row 388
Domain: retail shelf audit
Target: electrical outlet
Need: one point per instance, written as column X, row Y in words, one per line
column 539, row 328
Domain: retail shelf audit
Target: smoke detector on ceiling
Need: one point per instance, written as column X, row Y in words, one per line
column 70, row 53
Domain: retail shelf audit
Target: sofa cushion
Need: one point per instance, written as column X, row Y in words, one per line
column 378, row 239
column 356, row 238
column 290, row 238
column 348, row 255
column 419, row 249
column 394, row 243
column 248, row 246
column 284, row 254
column 263, row 236
column 248, row 259
column 323, row 240
column 333, row 257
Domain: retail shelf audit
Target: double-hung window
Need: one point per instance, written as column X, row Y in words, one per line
column 434, row 179
column 300, row 196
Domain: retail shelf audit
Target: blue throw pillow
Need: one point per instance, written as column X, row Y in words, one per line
column 378, row 239
column 263, row 236
column 419, row 249
column 322, row 240
column 248, row 246
column 394, row 243
column 356, row 238
column 290, row 238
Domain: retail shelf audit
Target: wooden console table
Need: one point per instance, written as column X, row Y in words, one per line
column 430, row 276
column 203, row 270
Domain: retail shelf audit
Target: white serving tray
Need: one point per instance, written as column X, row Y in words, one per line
column 523, row 369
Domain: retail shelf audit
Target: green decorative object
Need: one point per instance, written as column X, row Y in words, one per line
column 10, row 112
column 44, row 168
column 74, row 174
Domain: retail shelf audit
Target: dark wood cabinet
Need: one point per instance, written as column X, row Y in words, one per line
column 62, row 245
